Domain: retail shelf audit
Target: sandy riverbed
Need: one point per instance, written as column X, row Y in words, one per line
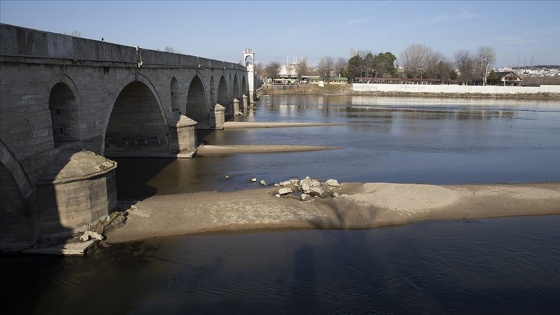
column 361, row 206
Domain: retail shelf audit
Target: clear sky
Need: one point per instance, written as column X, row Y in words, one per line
column 521, row 32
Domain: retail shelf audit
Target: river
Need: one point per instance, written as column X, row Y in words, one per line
column 493, row 266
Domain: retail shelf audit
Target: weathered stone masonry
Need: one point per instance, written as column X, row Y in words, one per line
column 61, row 95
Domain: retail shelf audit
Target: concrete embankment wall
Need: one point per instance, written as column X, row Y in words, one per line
column 454, row 89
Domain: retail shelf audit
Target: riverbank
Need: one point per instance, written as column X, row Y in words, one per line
column 357, row 206
column 346, row 89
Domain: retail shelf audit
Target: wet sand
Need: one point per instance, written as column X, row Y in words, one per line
column 268, row 124
column 359, row 206
column 266, row 148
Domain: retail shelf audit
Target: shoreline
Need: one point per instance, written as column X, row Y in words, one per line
column 338, row 89
column 359, row 206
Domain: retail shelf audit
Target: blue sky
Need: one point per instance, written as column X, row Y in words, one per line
column 521, row 32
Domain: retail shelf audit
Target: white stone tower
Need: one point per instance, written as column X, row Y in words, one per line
column 249, row 58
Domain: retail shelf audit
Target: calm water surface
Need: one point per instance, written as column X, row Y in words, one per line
column 404, row 140
column 490, row 266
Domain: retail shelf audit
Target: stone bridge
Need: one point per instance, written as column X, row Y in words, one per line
column 68, row 103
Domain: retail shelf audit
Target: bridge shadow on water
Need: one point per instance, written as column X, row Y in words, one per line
column 37, row 220
column 137, row 177
column 134, row 175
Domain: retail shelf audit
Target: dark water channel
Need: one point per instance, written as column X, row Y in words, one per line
column 490, row 266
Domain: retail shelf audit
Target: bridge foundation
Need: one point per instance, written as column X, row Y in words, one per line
column 79, row 188
column 246, row 102
column 184, row 137
column 217, row 117
column 236, row 110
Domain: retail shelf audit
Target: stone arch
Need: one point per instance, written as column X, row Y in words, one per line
column 197, row 107
column 223, row 95
column 16, row 220
column 244, row 88
column 213, row 98
column 136, row 125
column 236, row 92
column 174, row 90
column 64, row 104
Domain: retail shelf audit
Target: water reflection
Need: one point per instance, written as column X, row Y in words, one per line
column 407, row 140
column 507, row 265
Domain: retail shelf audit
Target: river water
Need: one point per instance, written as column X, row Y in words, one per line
column 490, row 266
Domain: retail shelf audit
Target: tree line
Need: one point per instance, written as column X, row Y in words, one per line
column 417, row 61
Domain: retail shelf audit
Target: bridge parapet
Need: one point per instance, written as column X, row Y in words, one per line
column 24, row 42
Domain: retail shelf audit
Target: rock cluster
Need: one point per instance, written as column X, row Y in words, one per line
column 97, row 231
column 308, row 188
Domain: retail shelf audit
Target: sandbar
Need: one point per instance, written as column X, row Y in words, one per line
column 269, row 124
column 263, row 148
column 358, row 206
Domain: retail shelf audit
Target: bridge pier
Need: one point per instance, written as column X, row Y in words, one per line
column 236, row 110
column 182, row 135
column 79, row 188
column 217, row 117
column 245, row 102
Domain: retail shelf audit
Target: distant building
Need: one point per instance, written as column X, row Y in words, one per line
column 506, row 78
column 289, row 70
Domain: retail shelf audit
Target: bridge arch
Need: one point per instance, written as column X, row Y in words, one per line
column 236, row 92
column 136, row 125
column 174, row 90
column 197, row 107
column 244, row 89
column 223, row 95
column 213, row 96
column 16, row 219
column 64, row 104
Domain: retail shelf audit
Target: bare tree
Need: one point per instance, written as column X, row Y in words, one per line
column 415, row 59
column 302, row 68
column 326, row 67
column 465, row 64
column 258, row 68
column 434, row 61
column 445, row 71
column 272, row 70
column 486, row 57
column 340, row 66
column 170, row 50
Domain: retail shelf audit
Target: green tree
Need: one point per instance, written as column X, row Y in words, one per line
column 492, row 77
column 368, row 65
column 354, row 69
column 384, row 65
